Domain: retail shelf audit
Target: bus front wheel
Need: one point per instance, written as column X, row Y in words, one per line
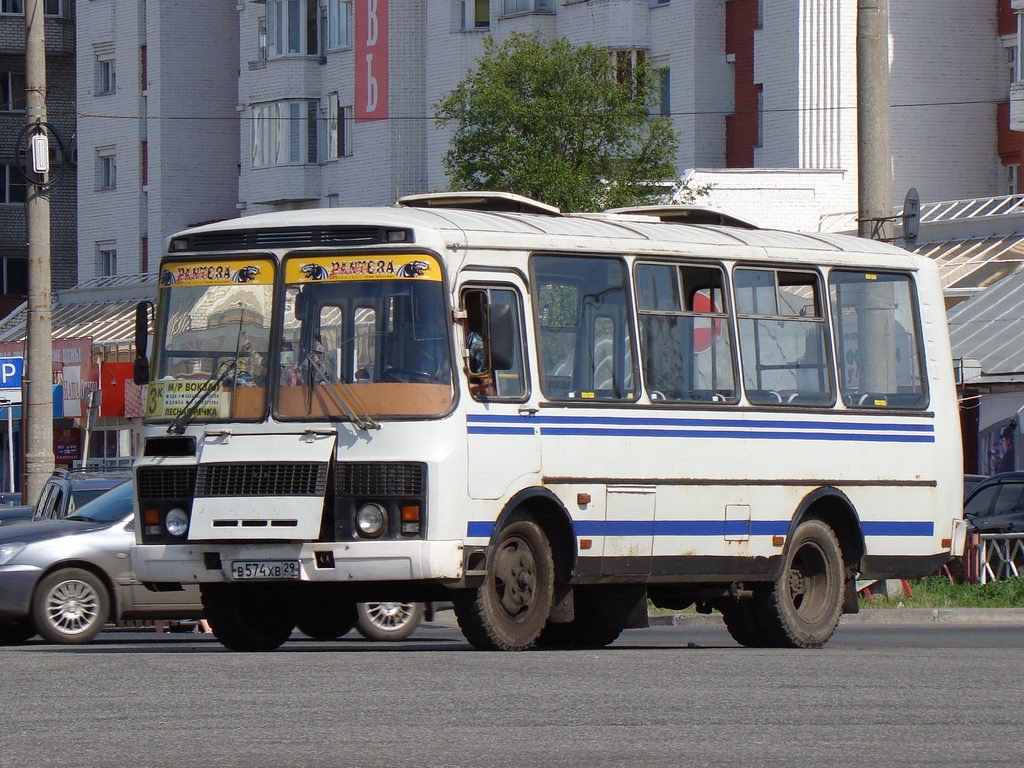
column 508, row 611
column 801, row 608
column 247, row 617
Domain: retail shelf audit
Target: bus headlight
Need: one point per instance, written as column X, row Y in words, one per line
column 371, row 520
column 176, row 522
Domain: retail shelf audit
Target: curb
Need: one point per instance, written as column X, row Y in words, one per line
column 876, row 616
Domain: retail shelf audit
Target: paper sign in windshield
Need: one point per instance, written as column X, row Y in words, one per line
column 167, row 399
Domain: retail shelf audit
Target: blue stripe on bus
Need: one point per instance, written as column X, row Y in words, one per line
column 483, row 529
column 501, row 431
column 748, row 434
column 486, row 418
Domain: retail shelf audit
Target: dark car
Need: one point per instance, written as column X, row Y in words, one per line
column 971, row 482
column 996, row 505
column 64, row 492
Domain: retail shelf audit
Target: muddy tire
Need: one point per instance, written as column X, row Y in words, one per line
column 509, row 610
column 247, row 617
column 600, row 617
column 801, row 608
column 327, row 623
column 742, row 623
column 14, row 632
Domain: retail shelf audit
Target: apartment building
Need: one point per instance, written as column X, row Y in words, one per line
column 59, row 28
column 157, row 127
column 225, row 109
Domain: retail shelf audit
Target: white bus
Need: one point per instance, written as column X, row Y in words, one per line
column 547, row 419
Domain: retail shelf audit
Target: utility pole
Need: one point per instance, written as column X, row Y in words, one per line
column 874, row 136
column 37, row 419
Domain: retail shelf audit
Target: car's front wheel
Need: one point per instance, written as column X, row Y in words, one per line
column 388, row 621
column 70, row 606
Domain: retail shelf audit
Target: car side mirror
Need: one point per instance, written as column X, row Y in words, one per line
column 140, row 371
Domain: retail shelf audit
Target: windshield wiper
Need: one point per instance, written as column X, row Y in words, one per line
column 177, row 427
column 349, row 403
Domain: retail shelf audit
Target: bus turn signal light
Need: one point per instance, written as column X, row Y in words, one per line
column 410, row 519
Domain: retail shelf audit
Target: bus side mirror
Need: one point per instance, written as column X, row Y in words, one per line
column 501, row 336
column 140, row 373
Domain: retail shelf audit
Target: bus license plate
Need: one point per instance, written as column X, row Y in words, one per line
column 251, row 570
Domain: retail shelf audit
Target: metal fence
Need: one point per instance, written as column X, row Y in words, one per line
column 999, row 556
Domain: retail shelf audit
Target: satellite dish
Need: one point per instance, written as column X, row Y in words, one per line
column 911, row 216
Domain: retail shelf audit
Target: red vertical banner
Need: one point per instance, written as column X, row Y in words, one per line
column 371, row 60
column 112, row 384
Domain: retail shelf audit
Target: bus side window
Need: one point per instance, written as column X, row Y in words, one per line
column 584, row 328
column 488, row 379
column 783, row 349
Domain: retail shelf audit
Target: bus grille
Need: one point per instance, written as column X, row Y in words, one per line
column 293, row 479
column 379, row 479
column 166, row 482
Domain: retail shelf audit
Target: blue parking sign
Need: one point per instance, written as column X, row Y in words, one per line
column 11, row 371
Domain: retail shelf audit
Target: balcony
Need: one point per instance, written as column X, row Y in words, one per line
column 1017, row 106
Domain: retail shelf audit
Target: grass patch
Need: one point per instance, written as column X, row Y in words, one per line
column 939, row 592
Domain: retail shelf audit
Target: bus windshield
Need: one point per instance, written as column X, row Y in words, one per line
column 213, row 336
column 364, row 336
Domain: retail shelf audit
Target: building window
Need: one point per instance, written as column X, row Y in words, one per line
column 339, row 23
column 759, row 140
column 14, row 273
column 476, row 14
column 12, row 6
column 1013, row 179
column 106, row 169
column 663, row 82
column 106, row 260
column 284, row 133
column 143, row 69
column 510, row 7
column 656, row 3
column 144, row 158
column 339, row 129
column 292, row 27
column 13, row 185
column 106, row 75
column 628, row 63
column 55, row 7
column 12, row 92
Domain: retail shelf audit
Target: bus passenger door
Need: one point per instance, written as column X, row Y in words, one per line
column 502, row 444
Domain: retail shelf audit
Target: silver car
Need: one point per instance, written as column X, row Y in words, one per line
column 65, row 579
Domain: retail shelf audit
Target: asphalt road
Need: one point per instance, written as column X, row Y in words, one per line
column 877, row 695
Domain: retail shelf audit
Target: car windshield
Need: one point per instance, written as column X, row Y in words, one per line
column 109, row 507
column 82, row 497
column 213, row 334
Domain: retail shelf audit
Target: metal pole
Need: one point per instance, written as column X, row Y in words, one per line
column 874, row 138
column 38, row 421
column 10, row 447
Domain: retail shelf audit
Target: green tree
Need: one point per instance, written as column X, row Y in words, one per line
column 558, row 123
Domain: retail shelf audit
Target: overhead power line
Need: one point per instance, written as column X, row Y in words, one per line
column 547, row 116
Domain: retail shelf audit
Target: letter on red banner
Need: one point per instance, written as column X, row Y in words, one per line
column 371, row 60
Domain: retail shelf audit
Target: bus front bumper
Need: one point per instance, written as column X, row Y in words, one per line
column 347, row 561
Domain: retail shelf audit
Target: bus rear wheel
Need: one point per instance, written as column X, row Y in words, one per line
column 801, row 608
column 248, row 617
column 742, row 622
column 509, row 610
column 602, row 612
